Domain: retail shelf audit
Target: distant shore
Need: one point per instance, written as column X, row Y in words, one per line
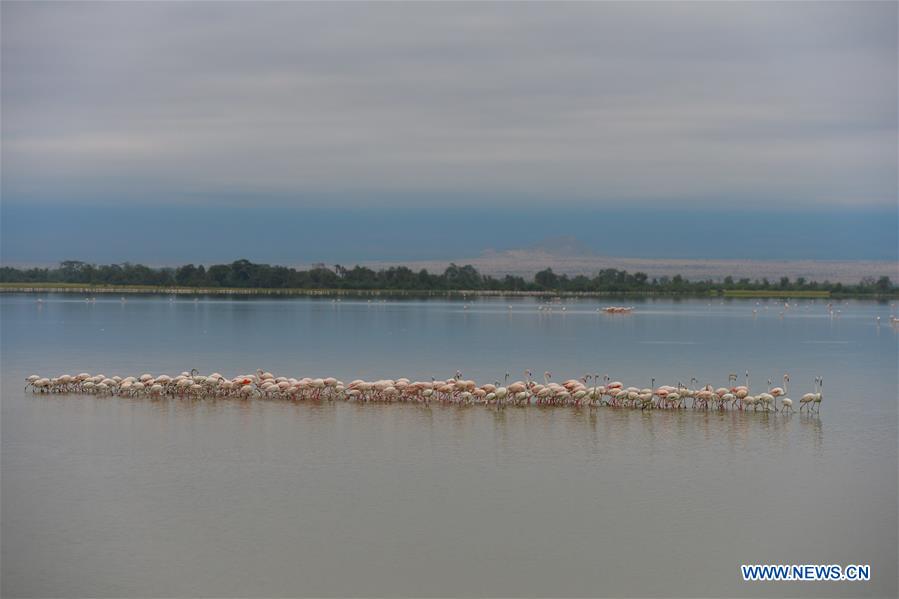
column 457, row 293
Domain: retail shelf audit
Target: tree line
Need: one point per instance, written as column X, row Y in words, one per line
column 248, row 275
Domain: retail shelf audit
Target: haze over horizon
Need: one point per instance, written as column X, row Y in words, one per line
column 169, row 133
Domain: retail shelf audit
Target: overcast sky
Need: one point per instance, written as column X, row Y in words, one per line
column 278, row 108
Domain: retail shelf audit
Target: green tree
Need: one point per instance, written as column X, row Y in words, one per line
column 547, row 279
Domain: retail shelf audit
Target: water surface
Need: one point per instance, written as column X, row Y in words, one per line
column 117, row 497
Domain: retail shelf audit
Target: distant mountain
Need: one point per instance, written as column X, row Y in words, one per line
column 561, row 248
column 564, row 245
column 569, row 255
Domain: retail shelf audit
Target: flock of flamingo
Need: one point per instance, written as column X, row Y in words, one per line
column 454, row 391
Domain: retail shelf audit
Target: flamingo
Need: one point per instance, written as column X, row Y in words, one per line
column 502, row 391
column 751, row 401
column 594, row 394
column 576, row 392
column 673, row 398
column 741, row 392
column 785, row 402
column 724, row 394
column 806, row 400
column 690, row 392
column 819, row 394
column 29, row 381
column 766, row 399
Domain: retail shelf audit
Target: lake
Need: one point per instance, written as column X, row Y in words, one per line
column 138, row 497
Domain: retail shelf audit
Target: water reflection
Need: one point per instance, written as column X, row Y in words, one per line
column 264, row 498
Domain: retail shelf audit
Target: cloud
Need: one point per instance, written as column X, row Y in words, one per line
column 787, row 103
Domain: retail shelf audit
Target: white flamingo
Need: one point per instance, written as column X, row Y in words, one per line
column 819, row 395
column 806, row 400
column 785, row 402
column 766, row 400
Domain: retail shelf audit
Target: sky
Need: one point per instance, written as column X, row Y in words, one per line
column 300, row 132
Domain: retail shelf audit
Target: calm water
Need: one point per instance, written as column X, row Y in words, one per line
column 116, row 497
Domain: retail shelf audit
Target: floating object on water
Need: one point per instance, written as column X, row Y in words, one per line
column 618, row 309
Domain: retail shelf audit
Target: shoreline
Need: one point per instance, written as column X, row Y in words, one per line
column 458, row 293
